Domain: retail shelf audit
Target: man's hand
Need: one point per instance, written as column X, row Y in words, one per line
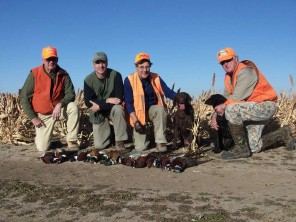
column 139, row 127
column 95, row 107
column 114, row 101
column 56, row 113
column 220, row 109
column 214, row 123
column 37, row 122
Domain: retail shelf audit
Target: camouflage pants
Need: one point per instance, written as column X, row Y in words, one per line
column 260, row 113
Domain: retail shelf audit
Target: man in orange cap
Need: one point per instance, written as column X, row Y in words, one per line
column 144, row 93
column 47, row 96
column 251, row 102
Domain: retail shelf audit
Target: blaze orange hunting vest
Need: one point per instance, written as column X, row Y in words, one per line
column 263, row 91
column 42, row 101
column 139, row 97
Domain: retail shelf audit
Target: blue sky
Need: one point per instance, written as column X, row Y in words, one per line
column 181, row 36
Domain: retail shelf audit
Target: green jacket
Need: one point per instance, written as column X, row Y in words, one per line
column 98, row 90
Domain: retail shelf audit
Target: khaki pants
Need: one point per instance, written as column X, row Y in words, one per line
column 44, row 133
column 102, row 132
column 158, row 116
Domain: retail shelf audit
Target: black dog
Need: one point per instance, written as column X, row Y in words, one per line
column 222, row 137
column 183, row 119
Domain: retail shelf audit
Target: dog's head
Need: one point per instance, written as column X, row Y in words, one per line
column 215, row 100
column 182, row 100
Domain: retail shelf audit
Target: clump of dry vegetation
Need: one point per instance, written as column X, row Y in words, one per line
column 16, row 128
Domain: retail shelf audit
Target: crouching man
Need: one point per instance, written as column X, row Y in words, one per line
column 47, row 96
column 144, row 94
column 251, row 102
column 103, row 95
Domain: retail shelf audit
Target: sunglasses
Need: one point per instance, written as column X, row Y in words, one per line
column 100, row 61
column 52, row 59
column 226, row 61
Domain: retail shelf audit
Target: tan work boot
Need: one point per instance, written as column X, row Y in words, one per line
column 161, row 147
column 119, row 145
column 72, row 146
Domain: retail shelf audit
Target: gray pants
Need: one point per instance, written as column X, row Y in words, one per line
column 158, row 116
column 251, row 111
column 102, row 132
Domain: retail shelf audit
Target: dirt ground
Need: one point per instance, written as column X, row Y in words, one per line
column 260, row 188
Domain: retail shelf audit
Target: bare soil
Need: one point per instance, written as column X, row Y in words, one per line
column 259, row 188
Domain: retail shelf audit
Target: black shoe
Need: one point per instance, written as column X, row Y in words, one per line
column 216, row 150
column 236, row 153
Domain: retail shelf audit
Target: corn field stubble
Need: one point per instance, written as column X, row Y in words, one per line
column 17, row 129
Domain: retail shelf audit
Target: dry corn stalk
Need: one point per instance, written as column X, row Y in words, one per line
column 13, row 124
column 16, row 128
column 202, row 113
column 286, row 113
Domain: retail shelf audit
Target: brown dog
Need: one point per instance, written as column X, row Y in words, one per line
column 183, row 119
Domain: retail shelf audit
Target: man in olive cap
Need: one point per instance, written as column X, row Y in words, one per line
column 48, row 95
column 103, row 95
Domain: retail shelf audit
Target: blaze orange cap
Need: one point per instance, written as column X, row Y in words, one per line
column 141, row 56
column 49, row 52
column 225, row 54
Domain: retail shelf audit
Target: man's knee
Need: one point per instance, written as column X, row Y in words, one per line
column 157, row 111
column 118, row 109
column 72, row 108
column 233, row 115
column 117, row 113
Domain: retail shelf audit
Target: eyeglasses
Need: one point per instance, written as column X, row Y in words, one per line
column 52, row 59
column 144, row 68
column 226, row 61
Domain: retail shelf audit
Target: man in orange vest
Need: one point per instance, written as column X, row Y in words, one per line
column 251, row 102
column 47, row 96
column 144, row 93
